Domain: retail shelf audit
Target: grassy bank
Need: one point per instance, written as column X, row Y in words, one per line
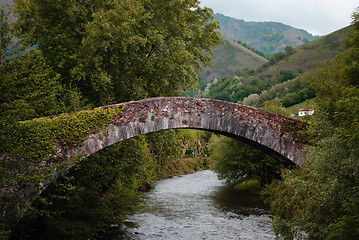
column 182, row 166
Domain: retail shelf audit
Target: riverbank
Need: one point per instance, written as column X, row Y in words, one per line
column 177, row 167
column 182, row 166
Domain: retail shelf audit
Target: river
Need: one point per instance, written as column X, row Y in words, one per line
column 199, row 206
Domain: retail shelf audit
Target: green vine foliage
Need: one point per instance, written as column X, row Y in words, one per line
column 35, row 139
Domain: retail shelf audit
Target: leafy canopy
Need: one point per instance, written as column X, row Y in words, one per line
column 114, row 51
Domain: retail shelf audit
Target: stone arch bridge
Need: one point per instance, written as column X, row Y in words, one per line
column 275, row 134
column 270, row 132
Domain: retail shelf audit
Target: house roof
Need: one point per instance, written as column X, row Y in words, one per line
column 305, row 109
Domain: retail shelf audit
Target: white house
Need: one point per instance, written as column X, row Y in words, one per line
column 305, row 111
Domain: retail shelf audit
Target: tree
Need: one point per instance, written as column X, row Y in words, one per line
column 251, row 100
column 56, row 28
column 289, row 50
column 275, row 106
column 236, row 161
column 115, row 51
column 164, row 146
column 5, row 36
column 285, row 75
column 96, row 193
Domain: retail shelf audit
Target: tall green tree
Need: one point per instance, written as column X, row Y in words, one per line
column 56, row 28
column 164, row 146
column 115, row 51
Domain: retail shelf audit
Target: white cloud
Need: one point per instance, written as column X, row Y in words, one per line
column 316, row 16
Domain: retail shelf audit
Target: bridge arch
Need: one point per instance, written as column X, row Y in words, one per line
column 262, row 129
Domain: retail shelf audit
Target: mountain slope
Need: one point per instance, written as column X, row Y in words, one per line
column 228, row 59
column 274, row 79
column 309, row 56
column 269, row 37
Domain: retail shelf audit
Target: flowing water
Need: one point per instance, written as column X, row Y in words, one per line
column 199, row 206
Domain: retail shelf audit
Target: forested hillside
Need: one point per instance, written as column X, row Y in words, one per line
column 269, row 37
column 319, row 199
column 308, row 56
column 248, row 43
column 282, row 76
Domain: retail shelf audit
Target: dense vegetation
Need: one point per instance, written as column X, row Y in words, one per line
column 233, row 57
column 244, row 83
column 237, row 162
column 73, row 55
column 253, row 49
column 137, row 49
column 243, row 166
column 255, row 37
column 320, row 199
column 288, row 93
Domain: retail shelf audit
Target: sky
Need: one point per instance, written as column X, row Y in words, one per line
column 318, row 17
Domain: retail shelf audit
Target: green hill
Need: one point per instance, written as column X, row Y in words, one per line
column 268, row 37
column 229, row 58
column 308, row 56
